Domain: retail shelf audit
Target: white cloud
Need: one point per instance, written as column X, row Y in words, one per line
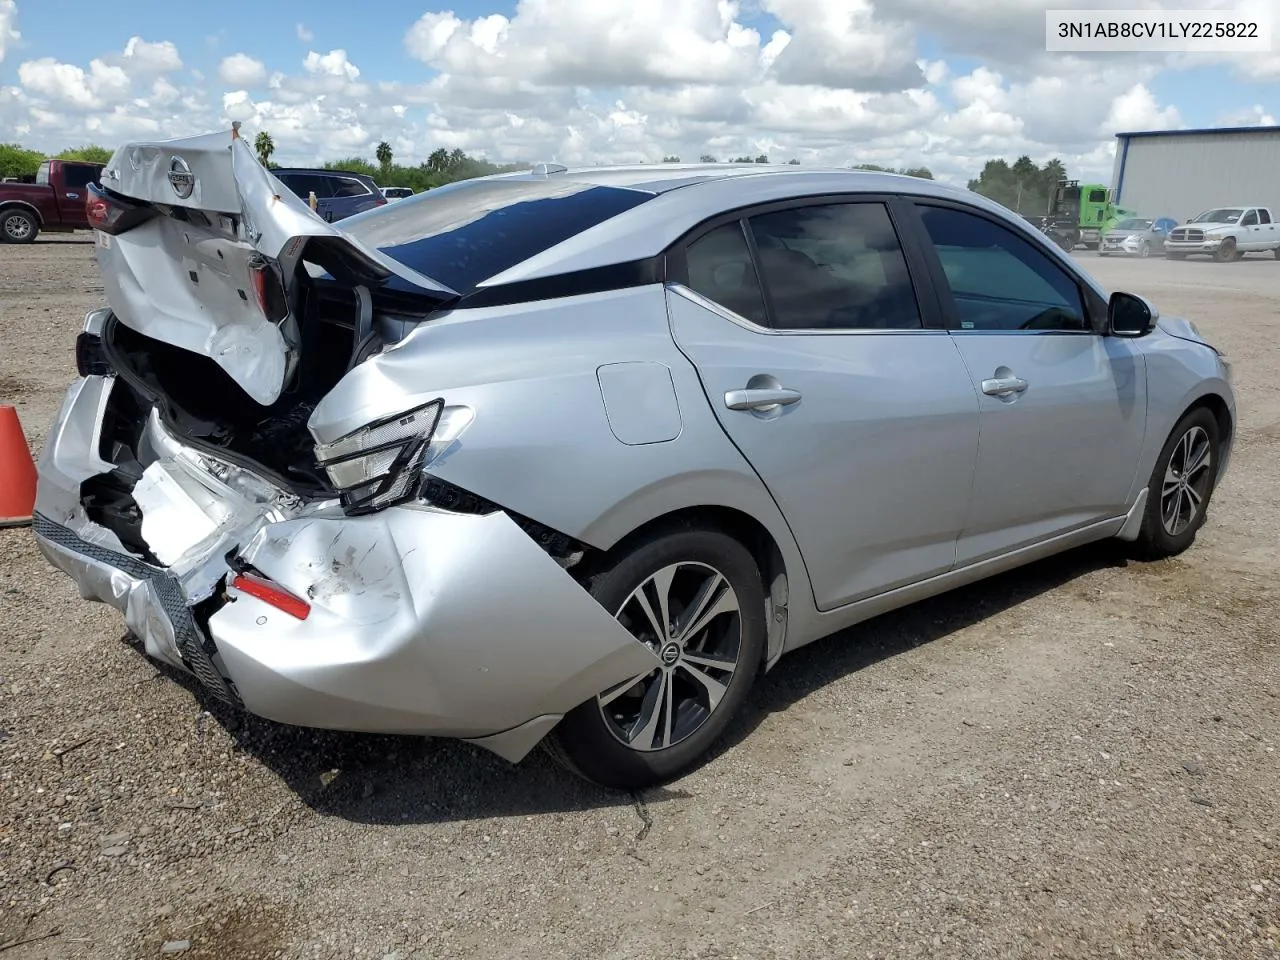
column 825, row 81
column 1255, row 116
column 8, row 26
column 143, row 57
column 1137, row 109
column 69, row 85
column 332, row 64
column 241, row 70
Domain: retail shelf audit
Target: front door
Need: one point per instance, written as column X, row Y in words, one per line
column 848, row 399
column 1063, row 408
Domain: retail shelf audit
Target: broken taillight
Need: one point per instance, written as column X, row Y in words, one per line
column 268, row 592
column 268, row 289
column 113, row 214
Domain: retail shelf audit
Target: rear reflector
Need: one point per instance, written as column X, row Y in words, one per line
column 268, row 592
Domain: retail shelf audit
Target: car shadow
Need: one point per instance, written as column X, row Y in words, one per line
column 841, row 654
column 378, row 779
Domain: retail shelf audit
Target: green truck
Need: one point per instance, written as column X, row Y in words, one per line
column 1082, row 213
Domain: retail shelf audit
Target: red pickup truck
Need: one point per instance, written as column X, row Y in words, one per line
column 55, row 202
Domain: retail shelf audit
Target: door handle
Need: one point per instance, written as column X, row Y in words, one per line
column 73, row 196
column 1003, row 386
column 758, row 399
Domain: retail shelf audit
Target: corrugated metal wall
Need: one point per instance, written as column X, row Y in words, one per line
column 1180, row 176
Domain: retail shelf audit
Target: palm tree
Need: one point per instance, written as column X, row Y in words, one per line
column 384, row 157
column 265, row 147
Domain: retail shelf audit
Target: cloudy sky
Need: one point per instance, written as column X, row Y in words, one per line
column 944, row 83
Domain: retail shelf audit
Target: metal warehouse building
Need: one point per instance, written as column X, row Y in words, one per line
column 1179, row 173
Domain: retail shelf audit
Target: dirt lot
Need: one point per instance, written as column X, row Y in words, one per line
column 1075, row 760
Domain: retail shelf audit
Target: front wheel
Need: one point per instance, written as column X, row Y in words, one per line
column 18, row 226
column 695, row 597
column 1144, row 250
column 1180, row 487
column 1226, row 251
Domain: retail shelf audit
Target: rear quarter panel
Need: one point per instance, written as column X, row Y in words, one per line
column 542, row 444
column 37, row 197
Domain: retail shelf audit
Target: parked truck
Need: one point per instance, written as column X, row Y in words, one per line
column 54, row 203
column 1225, row 233
column 1082, row 213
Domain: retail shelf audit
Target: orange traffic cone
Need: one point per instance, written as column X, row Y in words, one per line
column 17, row 471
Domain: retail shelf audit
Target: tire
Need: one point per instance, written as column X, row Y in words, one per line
column 1225, row 252
column 18, row 226
column 1158, row 537
column 1144, row 250
column 596, row 747
column 1275, row 252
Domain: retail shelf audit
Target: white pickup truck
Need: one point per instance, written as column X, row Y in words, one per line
column 1225, row 233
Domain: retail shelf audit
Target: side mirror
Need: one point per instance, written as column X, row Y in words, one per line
column 1129, row 315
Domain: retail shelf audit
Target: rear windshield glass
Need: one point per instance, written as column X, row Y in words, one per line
column 466, row 232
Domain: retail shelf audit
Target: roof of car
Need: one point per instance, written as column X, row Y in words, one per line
column 662, row 177
column 320, row 172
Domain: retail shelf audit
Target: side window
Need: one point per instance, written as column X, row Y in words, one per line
column 346, row 187
column 42, row 174
column 835, row 267
column 1097, row 196
column 1264, row 216
column 76, row 175
column 999, row 280
column 1250, row 219
column 720, row 269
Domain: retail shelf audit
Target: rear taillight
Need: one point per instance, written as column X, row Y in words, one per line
column 268, row 289
column 113, row 214
column 91, row 358
column 271, row 593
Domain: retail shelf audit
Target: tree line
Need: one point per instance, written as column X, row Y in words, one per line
column 1023, row 186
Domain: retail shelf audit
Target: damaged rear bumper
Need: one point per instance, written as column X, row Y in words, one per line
column 421, row 621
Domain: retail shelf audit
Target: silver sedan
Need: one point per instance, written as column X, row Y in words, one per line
column 573, row 456
column 1136, row 237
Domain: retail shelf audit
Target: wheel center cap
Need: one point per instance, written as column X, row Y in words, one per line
column 669, row 654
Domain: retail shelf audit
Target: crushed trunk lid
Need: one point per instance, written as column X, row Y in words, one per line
column 207, row 222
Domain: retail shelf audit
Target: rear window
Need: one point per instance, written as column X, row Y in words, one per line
column 347, row 187
column 466, row 232
column 303, row 184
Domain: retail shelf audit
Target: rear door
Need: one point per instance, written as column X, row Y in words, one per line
column 829, row 370
column 1063, row 408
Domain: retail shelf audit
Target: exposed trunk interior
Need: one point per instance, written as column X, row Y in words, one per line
column 202, row 404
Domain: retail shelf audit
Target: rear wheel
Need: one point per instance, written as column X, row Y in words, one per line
column 1180, row 487
column 18, row 226
column 695, row 598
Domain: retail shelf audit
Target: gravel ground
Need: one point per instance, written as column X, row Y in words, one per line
column 1074, row 760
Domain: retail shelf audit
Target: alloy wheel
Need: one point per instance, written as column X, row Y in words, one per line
column 688, row 614
column 1186, row 481
column 17, row 227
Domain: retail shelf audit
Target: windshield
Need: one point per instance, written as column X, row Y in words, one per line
column 1133, row 223
column 466, row 232
column 1220, row 215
